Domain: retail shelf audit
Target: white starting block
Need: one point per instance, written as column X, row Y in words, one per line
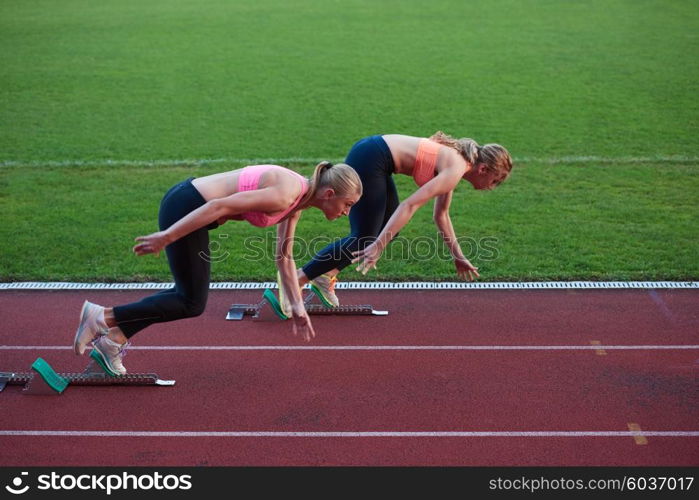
column 269, row 309
column 43, row 380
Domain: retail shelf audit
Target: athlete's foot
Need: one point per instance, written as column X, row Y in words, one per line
column 324, row 287
column 109, row 355
column 90, row 327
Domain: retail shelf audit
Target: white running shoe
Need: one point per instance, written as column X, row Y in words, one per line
column 324, row 287
column 89, row 328
column 110, row 354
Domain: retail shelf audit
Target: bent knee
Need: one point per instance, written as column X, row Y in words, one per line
column 194, row 309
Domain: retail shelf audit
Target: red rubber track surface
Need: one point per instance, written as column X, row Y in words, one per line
column 488, row 390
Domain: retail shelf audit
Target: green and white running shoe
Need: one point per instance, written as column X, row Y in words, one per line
column 108, row 355
column 324, row 287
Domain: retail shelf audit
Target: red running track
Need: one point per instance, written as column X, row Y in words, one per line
column 458, row 375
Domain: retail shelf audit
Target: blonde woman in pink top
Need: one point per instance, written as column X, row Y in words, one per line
column 263, row 195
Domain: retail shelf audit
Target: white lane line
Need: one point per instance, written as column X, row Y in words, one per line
column 346, row 434
column 368, row 347
column 371, row 285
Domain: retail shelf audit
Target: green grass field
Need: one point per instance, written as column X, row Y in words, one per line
column 105, row 104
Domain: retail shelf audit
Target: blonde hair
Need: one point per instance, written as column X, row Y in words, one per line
column 493, row 156
column 340, row 177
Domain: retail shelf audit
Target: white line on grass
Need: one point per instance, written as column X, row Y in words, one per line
column 347, row 434
column 111, row 162
column 371, row 347
column 173, row 162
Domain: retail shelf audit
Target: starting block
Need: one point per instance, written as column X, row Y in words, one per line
column 43, row 380
column 270, row 309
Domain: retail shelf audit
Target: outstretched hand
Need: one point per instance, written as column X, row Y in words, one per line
column 465, row 269
column 153, row 243
column 302, row 325
column 367, row 258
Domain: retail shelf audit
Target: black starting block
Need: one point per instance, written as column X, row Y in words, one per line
column 270, row 309
column 43, row 380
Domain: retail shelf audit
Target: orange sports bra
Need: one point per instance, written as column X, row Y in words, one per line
column 425, row 161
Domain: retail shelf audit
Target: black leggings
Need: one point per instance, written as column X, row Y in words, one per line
column 189, row 263
column 372, row 159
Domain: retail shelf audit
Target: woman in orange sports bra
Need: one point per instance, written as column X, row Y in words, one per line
column 263, row 195
column 437, row 165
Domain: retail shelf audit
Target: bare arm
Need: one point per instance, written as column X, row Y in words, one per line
column 443, row 222
column 443, row 183
column 446, row 229
column 269, row 199
column 284, row 259
column 287, row 270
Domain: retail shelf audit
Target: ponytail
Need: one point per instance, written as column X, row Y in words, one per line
column 340, row 177
column 468, row 148
column 493, row 156
column 323, row 166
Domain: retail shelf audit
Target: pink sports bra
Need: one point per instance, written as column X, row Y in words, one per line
column 425, row 161
column 249, row 180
